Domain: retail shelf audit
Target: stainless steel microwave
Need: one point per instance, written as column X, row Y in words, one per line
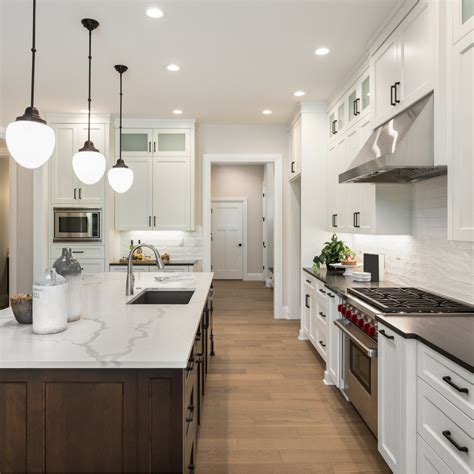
column 77, row 225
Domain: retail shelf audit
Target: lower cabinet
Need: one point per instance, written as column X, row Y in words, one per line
column 103, row 420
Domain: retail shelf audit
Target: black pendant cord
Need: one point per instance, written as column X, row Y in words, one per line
column 120, row 126
column 33, row 56
column 89, row 100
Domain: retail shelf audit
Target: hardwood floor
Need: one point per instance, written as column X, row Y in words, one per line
column 266, row 408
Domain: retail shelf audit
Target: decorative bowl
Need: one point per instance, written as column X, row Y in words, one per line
column 22, row 307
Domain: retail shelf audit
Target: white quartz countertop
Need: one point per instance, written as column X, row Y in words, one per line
column 110, row 333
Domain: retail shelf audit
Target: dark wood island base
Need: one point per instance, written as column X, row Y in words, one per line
column 103, row 420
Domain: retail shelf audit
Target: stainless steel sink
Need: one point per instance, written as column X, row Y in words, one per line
column 163, row 296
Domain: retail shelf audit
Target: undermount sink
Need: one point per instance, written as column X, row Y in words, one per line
column 163, row 296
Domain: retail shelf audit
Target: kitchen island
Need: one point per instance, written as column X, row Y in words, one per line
column 119, row 391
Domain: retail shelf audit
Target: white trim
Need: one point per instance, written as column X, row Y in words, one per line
column 276, row 159
column 155, row 123
column 243, row 200
column 253, row 277
column 76, row 118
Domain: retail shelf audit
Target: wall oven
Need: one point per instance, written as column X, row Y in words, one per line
column 360, row 371
column 77, row 225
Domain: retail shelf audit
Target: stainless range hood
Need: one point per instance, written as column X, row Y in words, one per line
column 400, row 151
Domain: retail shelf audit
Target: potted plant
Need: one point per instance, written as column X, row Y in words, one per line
column 334, row 251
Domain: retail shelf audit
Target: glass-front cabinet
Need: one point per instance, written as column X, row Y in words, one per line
column 135, row 142
column 171, row 142
column 358, row 98
column 365, row 93
column 463, row 15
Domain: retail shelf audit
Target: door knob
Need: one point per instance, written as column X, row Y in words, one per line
column 240, row 245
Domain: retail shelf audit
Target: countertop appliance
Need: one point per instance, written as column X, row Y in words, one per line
column 359, row 328
column 77, row 225
column 399, row 151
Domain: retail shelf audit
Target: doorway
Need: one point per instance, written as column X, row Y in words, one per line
column 228, row 238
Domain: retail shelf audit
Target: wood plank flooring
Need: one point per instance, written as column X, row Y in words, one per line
column 266, row 409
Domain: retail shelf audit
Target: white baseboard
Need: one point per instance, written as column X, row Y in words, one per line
column 327, row 380
column 302, row 336
column 253, row 277
column 269, row 283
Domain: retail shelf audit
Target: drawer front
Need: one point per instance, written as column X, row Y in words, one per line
column 427, row 461
column 322, row 314
column 445, row 428
column 79, row 251
column 309, row 281
column 321, row 294
column 123, row 268
column 176, row 268
column 448, row 378
column 321, row 340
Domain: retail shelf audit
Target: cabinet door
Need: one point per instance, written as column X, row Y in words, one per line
column 463, row 18
column 133, row 209
column 332, row 125
column 307, row 303
column 461, row 182
column 352, row 105
column 341, row 117
column 332, row 185
column 417, row 52
column 135, row 142
column 295, row 149
column 171, row 188
column 92, row 194
column 172, row 142
column 341, row 189
column 427, row 461
column 385, row 73
column 334, row 340
column 63, row 180
column 365, row 94
column 389, row 396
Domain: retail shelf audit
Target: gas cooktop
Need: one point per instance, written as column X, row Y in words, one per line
column 409, row 300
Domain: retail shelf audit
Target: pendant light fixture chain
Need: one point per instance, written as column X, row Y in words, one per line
column 33, row 56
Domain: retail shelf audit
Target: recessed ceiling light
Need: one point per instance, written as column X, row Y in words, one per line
column 154, row 13
column 173, row 67
column 266, row 112
column 321, row 51
column 299, row 93
column 177, row 111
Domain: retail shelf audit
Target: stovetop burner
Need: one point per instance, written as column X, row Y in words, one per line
column 409, row 300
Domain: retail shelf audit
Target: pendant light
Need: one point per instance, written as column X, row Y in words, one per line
column 120, row 175
column 88, row 163
column 30, row 140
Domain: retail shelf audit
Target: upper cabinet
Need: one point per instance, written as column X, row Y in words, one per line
column 295, row 149
column 402, row 69
column 162, row 194
column 66, row 189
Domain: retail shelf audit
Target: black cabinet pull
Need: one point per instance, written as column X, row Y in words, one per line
column 392, row 91
column 149, row 221
column 149, row 147
column 334, row 220
column 190, row 365
column 191, row 468
column 306, row 299
column 382, row 331
column 322, row 314
column 292, row 166
column 448, row 380
column 322, row 291
column 447, row 435
column 395, row 86
column 154, row 221
column 75, row 193
column 154, row 147
column 354, row 107
column 190, row 417
column 335, row 127
column 356, row 219
column 80, row 193
column 308, row 281
column 357, row 106
column 330, row 295
column 78, row 251
column 322, row 343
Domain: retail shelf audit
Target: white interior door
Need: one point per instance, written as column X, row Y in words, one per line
column 226, row 242
column 264, row 232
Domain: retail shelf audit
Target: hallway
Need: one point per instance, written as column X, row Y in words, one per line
column 266, row 408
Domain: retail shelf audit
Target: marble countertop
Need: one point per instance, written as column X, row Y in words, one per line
column 110, row 333
column 450, row 334
column 174, row 261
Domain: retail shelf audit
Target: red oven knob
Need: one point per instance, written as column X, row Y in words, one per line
column 339, row 307
column 343, row 310
column 361, row 323
column 371, row 332
column 366, row 327
column 355, row 318
column 348, row 314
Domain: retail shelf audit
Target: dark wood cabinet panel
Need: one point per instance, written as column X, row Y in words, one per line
column 84, row 427
column 13, row 428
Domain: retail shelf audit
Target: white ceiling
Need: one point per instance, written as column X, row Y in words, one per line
column 236, row 57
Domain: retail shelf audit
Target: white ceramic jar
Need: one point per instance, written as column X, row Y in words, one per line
column 50, row 305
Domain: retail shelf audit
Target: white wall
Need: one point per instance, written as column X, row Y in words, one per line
column 4, row 227
column 426, row 259
column 244, row 181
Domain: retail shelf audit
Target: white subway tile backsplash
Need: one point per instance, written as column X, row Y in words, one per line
column 426, row 259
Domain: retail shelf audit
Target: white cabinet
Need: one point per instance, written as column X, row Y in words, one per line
column 461, row 172
column 337, row 193
column 334, row 343
column 308, row 297
column 396, row 400
column 402, row 69
column 134, row 209
column 65, row 188
column 427, row 461
column 295, row 149
column 162, row 194
column 463, row 18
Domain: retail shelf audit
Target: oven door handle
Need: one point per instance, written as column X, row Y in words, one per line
column 370, row 352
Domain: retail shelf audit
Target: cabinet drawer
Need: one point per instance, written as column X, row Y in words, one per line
column 79, row 251
column 321, row 294
column 177, row 268
column 309, row 280
column 321, row 340
column 322, row 314
column 445, row 428
column 123, row 268
column 447, row 378
column 427, row 461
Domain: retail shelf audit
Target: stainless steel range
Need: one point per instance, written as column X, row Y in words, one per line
column 359, row 327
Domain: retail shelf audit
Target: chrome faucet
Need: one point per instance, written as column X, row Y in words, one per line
column 130, row 275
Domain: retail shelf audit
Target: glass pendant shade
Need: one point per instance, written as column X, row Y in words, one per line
column 120, row 177
column 30, row 143
column 88, row 164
